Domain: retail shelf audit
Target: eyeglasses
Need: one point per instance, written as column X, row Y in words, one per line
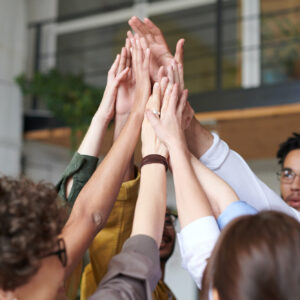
column 170, row 220
column 287, row 175
column 61, row 252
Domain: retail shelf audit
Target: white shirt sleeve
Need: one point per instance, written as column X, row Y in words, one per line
column 230, row 166
column 196, row 242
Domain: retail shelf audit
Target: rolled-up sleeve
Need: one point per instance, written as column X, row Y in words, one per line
column 81, row 168
column 196, row 242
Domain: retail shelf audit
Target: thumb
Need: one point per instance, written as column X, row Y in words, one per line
column 179, row 54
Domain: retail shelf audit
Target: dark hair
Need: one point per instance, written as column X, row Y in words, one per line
column 31, row 218
column 290, row 144
column 257, row 257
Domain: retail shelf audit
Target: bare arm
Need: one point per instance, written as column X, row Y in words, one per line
column 197, row 137
column 151, row 204
column 124, row 102
column 218, row 192
column 191, row 200
column 96, row 200
column 92, row 141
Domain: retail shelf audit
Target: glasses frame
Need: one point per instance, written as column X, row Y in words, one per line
column 61, row 252
column 173, row 220
column 285, row 179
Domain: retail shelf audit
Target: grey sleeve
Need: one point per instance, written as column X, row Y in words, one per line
column 132, row 274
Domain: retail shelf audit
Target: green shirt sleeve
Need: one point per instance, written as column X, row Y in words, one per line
column 81, row 169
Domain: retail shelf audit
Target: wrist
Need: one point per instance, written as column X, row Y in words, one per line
column 198, row 138
column 119, row 123
column 176, row 146
column 101, row 118
column 154, row 159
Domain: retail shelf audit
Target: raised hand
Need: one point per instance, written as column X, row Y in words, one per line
column 175, row 74
column 117, row 73
column 169, row 127
column 140, row 65
column 150, row 143
column 154, row 39
column 126, row 88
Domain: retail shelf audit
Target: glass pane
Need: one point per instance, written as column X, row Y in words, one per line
column 231, row 52
column 280, row 41
column 91, row 52
column 74, row 8
column 196, row 26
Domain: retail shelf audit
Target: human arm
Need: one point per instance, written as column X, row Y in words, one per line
column 132, row 274
column 230, row 166
column 95, row 201
column 121, row 279
column 110, row 240
column 124, row 102
column 85, row 160
column 152, row 195
column 192, row 203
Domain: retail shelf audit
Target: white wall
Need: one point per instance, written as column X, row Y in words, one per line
column 12, row 63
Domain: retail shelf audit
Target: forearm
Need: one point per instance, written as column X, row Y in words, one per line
column 198, row 138
column 120, row 120
column 151, row 204
column 105, row 184
column 218, row 192
column 192, row 202
column 92, row 142
column 96, row 199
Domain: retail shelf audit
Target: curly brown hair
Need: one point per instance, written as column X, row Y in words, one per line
column 31, row 219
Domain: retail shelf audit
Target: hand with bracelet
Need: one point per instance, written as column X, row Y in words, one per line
column 153, row 151
column 151, row 204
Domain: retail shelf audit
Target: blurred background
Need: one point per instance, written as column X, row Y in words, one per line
column 242, row 68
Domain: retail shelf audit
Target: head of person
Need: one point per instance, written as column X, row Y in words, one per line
column 289, row 158
column 31, row 219
column 169, row 236
column 256, row 257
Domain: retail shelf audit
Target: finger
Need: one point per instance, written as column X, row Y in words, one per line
column 121, row 76
column 181, row 76
column 139, row 55
column 153, row 119
column 173, row 98
column 171, row 76
column 165, row 101
column 144, row 43
column 137, row 25
column 163, row 85
column 179, row 54
column 129, row 35
column 128, row 54
column 155, row 103
column 160, row 74
column 122, row 63
column 115, row 65
column 152, row 27
column 146, row 63
column 176, row 72
column 182, row 102
column 133, row 53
